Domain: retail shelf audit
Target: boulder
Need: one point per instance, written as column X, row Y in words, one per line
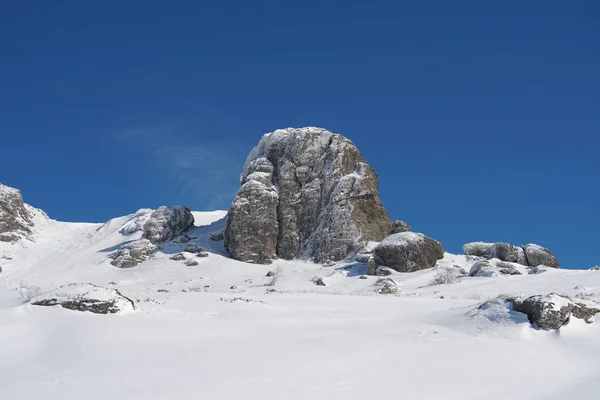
column 478, row 249
column 400, row 226
column 86, row 297
column 537, row 255
column 408, row 251
column 386, row 286
column 193, row 248
column 16, row 219
column 178, row 257
column 217, row 236
column 305, row 192
column 131, row 254
column 484, row 268
column 167, row 222
column 191, row 263
column 552, row 311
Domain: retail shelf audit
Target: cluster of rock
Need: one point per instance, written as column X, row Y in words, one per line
column 485, row 268
column 16, row 221
column 552, row 311
column 190, row 249
column 305, row 192
column 85, row 297
column 531, row 255
column 163, row 224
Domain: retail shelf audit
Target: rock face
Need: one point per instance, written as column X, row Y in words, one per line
column 531, row 255
column 131, row 254
column 408, row 251
column 167, row 222
column 86, row 297
column 305, row 192
column 16, row 220
column 551, row 311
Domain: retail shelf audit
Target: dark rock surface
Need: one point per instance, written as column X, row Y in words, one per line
column 408, row 252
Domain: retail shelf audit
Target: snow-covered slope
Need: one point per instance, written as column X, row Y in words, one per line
column 222, row 329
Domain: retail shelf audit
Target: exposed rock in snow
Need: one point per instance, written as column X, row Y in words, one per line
column 16, row 221
column 595, row 268
column 86, row 297
column 167, row 222
column 131, row 254
column 305, row 192
column 400, row 226
column 485, row 268
column 408, row 251
column 193, row 248
column 191, row 263
column 178, row 257
column 217, row 236
column 386, row 286
column 529, row 255
column 551, row 311
column 537, row 255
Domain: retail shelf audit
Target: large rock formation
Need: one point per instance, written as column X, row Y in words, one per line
column 305, row 192
column 16, row 221
column 131, row 254
column 531, row 255
column 408, row 252
column 167, row 222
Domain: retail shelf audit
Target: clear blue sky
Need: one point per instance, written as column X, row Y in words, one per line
column 482, row 118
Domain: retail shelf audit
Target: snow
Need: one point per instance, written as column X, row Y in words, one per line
column 402, row 239
column 220, row 330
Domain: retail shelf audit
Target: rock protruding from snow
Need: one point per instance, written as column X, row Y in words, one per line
column 86, row 297
column 16, row 221
column 484, row 268
column 305, row 192
column 167, row 222
column 537, row 255
column 408, row 252
column 400, row 226
column 531, row 255
column 136, row 222
column 551, row 311
column 131, row 254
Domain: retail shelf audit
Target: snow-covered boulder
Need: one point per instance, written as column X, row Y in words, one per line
column 136, row 222
column 86, row 297
column 167, row 222
column 408, row 251
column 305, row 192
column 595, row 268
column 16, row 221
column 386, row 286
column 552, row 311
column 485, row 268
column 400, row 226
column 131, row 254
column 537, row 255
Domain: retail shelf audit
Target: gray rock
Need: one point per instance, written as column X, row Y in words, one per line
column 400, row 226
column 483, row 268
column 270, row 274
column 408, row 251
column 131, row 254
column 0, row 270
column 217, row 236
column 191, row 263
column 86, row 297
column 182, row 239
column 167, row 222
column 193, row 248
column 479, row 249
column 318, row 281
column 383, row 271
column 16, row 218
column 505, row 268
column 202, row 254
column 537, row 255
column 386, row 286
column 178, row 257
column 363, row 277
column 305, row 192
column 371, row 267
column 595, row 268
column 550, row 312
column 363, row 258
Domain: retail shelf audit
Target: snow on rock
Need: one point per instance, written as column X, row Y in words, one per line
column 16, row 220
column 386, row 286
column 305, row 192
column 552, row 311
column 400, row 226
column 495, row 267
column 133, row 253
column 537, row 255
column 167, row 222
column 86, row 297
column 137, row 221
column 408, row 251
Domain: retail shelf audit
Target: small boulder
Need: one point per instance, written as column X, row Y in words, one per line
column 363, row 257
column 178, row 257
column 193, row 248
column 217, row 236
column 318, row 281
column 537, row 255
column 191, row 263
column 505, row 268
column 400, row 226
column 386, row 286
column 167, row 222
column 383, row 271
column 596, row 268
column 270, row 274
column 202, row 254
column 131, row 254
column 86, row 297
column 408, row 252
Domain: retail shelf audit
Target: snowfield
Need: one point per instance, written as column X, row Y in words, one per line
column 222, row 329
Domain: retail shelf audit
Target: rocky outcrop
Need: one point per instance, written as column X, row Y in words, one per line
column 551, row 311
column 167, row 222
column 400, row 226
column 484, row 268
column 408, row 252
column 531, row 255
column 86, row 297
column 131, row 254
column 16, row 221
column 305, row 192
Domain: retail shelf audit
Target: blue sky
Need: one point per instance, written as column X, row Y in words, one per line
column 481, row 118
